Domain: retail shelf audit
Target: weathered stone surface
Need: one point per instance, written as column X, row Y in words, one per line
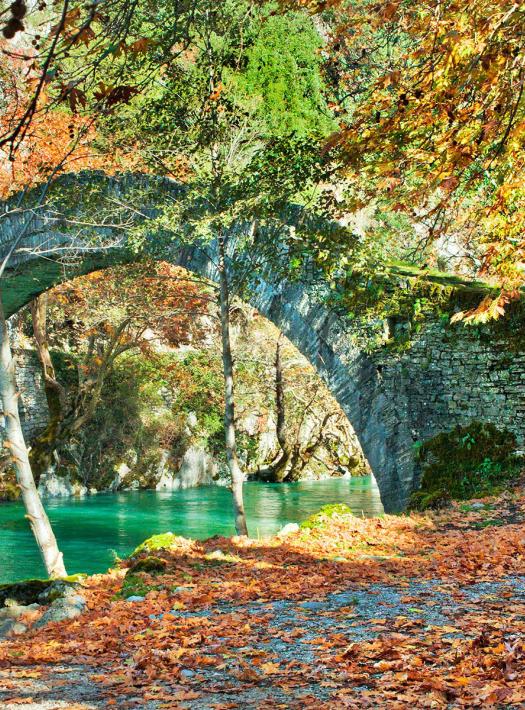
column 53, row 486
column 23, row 593
column 6, row 627
column 33, row 402
column 67, row 607
column 12, row 610
column 197, row 469
column 58, row 589
column 391, row 400
column 11, row 626
column 18, row 628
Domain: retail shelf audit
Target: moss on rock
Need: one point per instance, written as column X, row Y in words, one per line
column 134, row 585
column 163, row 541
column 421, row 500
column 44, row 591
column 150, row 564
column 326, row 513
column 25, row 592
column 466, row 462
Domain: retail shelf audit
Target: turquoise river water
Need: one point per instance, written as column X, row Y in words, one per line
column 92, row 530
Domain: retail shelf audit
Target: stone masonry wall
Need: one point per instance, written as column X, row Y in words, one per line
column 447, row 377
column 450, row 376
column 32, row 403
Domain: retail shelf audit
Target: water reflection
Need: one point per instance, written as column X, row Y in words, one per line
column 89, row 529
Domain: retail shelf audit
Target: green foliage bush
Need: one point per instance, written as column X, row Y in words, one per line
column 9, row 489
column 283, row 76
column 467, row 462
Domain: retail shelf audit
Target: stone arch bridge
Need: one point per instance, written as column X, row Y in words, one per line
column 392, row 399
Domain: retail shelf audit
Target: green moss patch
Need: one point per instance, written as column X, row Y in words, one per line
column 164, row 541
column 467, row 462
column 134, row 585
column 323, row 516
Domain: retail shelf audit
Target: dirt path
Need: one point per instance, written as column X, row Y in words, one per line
column 294, row 671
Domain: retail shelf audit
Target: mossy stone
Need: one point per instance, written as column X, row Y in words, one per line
column 164, row 541
column 324, row 515
column 467, row 462
column 32, row 591
column 25, row 592
column 150, row 565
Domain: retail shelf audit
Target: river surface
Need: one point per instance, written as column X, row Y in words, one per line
column 92, row 530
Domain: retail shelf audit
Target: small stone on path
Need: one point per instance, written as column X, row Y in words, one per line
column 64, row 608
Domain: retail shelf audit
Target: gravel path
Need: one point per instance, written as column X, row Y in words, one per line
column 296, row 673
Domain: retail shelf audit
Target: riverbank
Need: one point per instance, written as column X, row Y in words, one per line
column 398, row 611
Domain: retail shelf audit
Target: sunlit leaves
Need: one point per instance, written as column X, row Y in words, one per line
column 436, row 128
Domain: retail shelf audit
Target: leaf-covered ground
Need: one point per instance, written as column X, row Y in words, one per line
column 410, row 611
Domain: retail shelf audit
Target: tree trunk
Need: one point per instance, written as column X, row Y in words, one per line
column 35, row 512
column 279, row 398
column 66, row 418
column 229, row 402
column 302, row 457
column 55, row 393
column 276, row 471
column 43, row 449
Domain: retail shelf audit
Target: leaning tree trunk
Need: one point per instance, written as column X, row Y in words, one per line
column 55, row 392
column 229, row 402
column 66, row 418
column 35, row 512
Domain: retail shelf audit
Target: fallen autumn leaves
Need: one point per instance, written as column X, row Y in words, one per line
column 421, row 611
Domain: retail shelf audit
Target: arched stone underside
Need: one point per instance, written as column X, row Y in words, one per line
column 391, row 399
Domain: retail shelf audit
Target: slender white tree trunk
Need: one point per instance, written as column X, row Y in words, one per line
column 229, row 401
column 35, row 512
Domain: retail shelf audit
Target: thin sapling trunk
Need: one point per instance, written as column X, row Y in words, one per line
column 15, row 442
column 276, row 471
column 237, row 475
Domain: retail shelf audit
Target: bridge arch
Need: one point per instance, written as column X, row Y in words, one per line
column 390, row 400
